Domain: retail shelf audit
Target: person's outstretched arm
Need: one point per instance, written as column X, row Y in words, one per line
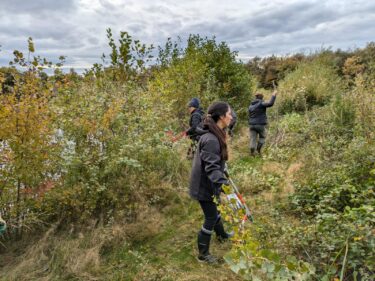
column 271, row 101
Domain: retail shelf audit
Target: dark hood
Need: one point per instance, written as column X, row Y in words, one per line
column 198, row 111
column 256, row 101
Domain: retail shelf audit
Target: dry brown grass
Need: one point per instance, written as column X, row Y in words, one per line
column 288, row 175
column 80, row 254
column 239, row 145
column 273, row 168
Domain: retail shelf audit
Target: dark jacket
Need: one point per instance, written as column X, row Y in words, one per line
column 196, row 118
column 257, row 111
column 234, row 120
column 207, row 173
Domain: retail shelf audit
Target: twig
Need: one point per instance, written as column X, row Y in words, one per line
column 343, row 264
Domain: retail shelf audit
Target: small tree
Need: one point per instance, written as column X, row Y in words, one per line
column 204, row 69
column 26, row 135
column 311, row 84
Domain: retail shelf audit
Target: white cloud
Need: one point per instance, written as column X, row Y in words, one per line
column 77, row 28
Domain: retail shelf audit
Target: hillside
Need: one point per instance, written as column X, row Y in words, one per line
column 93, row 186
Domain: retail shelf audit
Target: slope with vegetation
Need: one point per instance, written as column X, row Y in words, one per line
column 92, row 188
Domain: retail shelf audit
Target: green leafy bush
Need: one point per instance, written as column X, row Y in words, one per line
column 252, row 259
column 204, row 69
column 311, row 84
column 337, row 199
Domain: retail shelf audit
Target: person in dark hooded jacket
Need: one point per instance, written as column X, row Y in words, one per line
column 196, row 118
column 258, row 121
column 207, row 175
column 233, row 122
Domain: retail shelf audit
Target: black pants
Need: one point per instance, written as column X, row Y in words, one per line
column 211, row 216
column 255, row 131
column 192, row 149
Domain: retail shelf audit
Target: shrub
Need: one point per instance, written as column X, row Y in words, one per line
column 311, row 84
column 338, row 190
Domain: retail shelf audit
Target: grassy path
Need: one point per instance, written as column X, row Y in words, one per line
column 162, row 244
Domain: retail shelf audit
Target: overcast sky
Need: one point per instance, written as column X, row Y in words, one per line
column 77, row 28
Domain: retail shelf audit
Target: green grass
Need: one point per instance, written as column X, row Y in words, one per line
column 162, row 248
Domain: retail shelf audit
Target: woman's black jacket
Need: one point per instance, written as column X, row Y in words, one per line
column 207, row 173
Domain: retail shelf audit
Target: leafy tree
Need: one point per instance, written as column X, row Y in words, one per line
column 26, row 135
column 128, row 59
column 204, row 69
column 273, row 69
column 311, row 84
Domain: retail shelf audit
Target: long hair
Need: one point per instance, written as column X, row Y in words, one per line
column 214, row 112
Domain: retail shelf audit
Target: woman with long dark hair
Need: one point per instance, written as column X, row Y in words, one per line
column 207, row 175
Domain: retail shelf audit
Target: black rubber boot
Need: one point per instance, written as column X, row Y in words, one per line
column 252, row 151
column 190, row 154
column 221, row 234
column 203, row 248
column 259, row 147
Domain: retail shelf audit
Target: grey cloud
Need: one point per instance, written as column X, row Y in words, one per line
column 107, row 5
column 277, row 20
column 159, row 9
column 311, row 39
column 93, row 40
column 271, row 27
column 35, row 7
column 3, row 61
column 54, row 26
column 135, row 28
column 297, row 22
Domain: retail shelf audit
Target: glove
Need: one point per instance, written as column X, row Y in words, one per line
column 234, row 201
column 226, row 189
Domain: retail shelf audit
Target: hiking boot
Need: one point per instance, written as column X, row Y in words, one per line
column 208, row 259
column 203, row 248
column 223, row 239
column 252, row 151
column 189, row 154
column 259, row 147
